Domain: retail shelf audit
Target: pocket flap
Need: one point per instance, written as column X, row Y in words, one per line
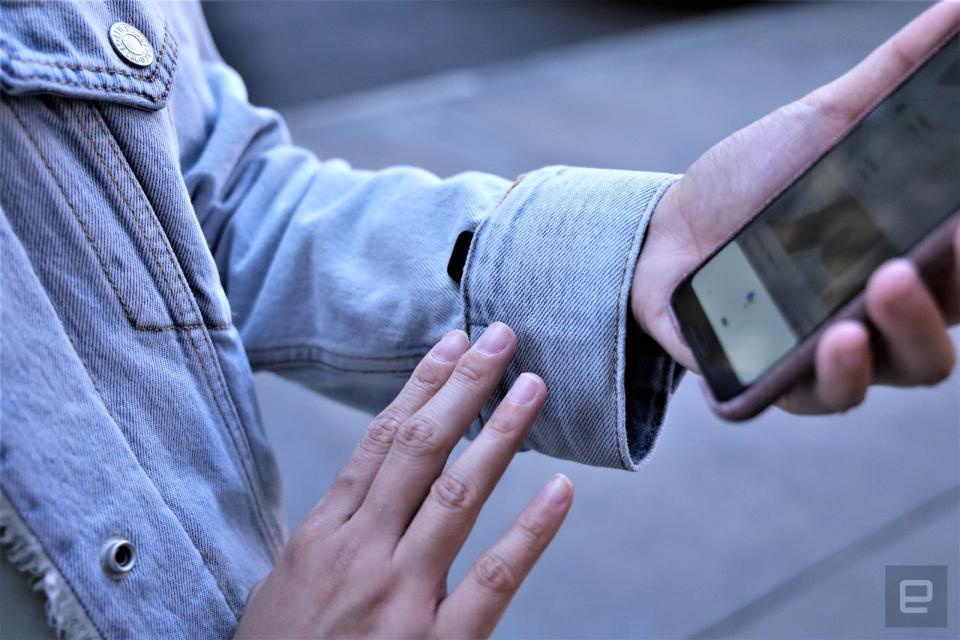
column 64, row 48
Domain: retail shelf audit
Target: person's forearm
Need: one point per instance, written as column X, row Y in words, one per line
column 340, row 279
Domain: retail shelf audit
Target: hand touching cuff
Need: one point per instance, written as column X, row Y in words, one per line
column 372, row 557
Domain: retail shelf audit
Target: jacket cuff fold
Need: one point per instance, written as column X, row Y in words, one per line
column 555, row 261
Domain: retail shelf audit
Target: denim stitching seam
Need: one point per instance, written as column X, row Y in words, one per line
column 258, row 508
column 621, row 410
column 639, row 232
column 244, row 453
column 116, row 424
column 416, row 352
column 155, row 99
column 111, row 70
column 164, row 242
column 73, row 209
column 133, row 214
column 289, row 358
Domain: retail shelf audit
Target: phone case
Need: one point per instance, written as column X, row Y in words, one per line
column 932, row 255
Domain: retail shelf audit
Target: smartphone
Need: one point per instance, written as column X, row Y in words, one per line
column 753, row 311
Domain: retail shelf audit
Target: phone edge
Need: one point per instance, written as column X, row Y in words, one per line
column 758, row 396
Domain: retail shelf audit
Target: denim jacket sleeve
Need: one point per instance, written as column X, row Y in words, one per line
column 337, row 277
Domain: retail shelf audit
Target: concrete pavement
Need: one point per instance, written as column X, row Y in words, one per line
column 779, row 528
column 776, row 529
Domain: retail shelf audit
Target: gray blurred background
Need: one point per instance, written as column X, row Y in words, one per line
column 780, row 528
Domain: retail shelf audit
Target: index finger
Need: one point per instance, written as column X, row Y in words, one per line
column 354, row 479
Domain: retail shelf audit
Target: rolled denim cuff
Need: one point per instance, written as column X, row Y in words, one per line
column 555, row 261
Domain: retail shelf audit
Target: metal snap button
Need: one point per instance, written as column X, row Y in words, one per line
column 131, row 45
column 118, row 557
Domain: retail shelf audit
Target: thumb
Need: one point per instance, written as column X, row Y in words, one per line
column 849, row 96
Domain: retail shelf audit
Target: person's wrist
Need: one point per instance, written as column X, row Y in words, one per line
column 647, row 301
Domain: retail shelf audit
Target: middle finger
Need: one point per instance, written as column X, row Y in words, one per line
column 443, row 523
column 919, row 350
column 425, row 440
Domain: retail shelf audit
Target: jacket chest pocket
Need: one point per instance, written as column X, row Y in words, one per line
column 89, row 173
column 87, row 203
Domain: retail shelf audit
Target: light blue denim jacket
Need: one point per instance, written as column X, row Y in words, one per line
column 160, row 238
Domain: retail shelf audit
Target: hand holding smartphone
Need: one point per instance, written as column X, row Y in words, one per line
column 753, row 311
column 765, row 245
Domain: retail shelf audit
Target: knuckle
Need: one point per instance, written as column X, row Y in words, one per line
column 493, row 574
column 899, row 54
column 453, row 493
column 300, row 546
column 429, row 375
column 811, row 100
column 338, row 555
column 824, row 102
column 381, row 432
column 419, row 435
column 503, row 425
column 533, row 530
column 345, row 482
column 470, row 372
column 343, row 559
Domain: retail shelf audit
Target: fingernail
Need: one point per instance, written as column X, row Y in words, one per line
column 557, row 490
column 494, row 340
column 524, row 389
column 451, row 347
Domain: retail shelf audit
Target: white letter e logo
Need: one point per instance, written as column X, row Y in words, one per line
column 908, row 603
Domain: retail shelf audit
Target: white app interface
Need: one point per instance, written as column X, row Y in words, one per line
column 890, row 182
column 748, row 324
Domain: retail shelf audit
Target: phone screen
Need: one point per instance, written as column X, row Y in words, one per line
column 888, row 183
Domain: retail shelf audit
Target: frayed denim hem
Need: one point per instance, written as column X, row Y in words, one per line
column 64, row 611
